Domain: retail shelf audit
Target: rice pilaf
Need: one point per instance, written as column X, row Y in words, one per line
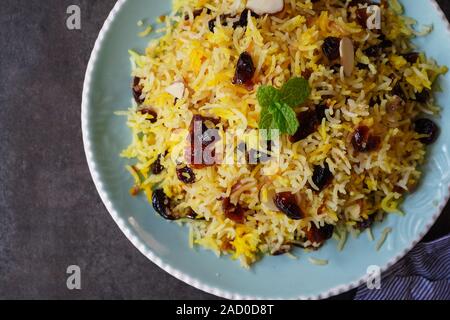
column 364, row 132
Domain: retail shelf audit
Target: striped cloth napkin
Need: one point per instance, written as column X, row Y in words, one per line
column 424, row 274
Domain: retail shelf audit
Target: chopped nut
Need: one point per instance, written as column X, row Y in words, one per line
column 176, row 89
column 265, row 6
column 347, row 52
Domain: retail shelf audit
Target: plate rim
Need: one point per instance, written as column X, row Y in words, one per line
column 148, row 253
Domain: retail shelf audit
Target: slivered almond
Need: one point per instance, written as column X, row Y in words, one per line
column 347, row 52
column 265, row 6
column 176, row 89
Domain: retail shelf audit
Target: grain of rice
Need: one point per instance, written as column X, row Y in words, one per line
column 318, row 262
column 342, row 241
column 383, row 238
column 370, row 234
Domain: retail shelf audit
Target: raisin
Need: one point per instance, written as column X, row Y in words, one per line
column 137, row 91
column 283, row 250
column 245, row 69
column 197, row 13
column 153, row 114
column 398, row 91
column 186, row 175
column 377, row 50
column 191, row 214
column 233, row 212
column 308, row 123
column 322, row 176
column 362, row 66
column 320, row 112
column 156, row 167
column 257, row 157
column 355, row 3
column 287, row 204
column 427, row 127
column 253, row 156
column 373, row 51
column 374, row 100
column 243, row 20
column 319, row 236
column 424, row 96
column 161, row 204
column 212, row 22
column 411, row 57
column 385, row 43
column 212, row 25
column 336, row 67
column 330, row 48
column 364, row 141
column 366, row 223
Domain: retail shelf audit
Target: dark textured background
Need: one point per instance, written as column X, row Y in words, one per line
column 50, row 214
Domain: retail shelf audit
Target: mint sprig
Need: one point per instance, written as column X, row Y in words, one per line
column 278, row 105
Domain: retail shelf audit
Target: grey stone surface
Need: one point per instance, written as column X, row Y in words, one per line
column 50, row 214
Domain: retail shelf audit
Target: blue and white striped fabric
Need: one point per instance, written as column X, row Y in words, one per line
column 424, row 274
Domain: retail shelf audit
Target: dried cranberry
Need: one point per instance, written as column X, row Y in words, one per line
column 411, row 57
column 199, row 140
column 322, row 176
column 186, row 175
column 330, row 48
column 153, row 114
column 287, row 204
column 308, row 123
column 137, row 90
column 424, row 96
column 361, row 17
column 364, row 141
column 161, row 204
column 307, row 73
column 319, row 236
column 233, row 212
column 245, row 69
column 427, row 127
column 156, row 166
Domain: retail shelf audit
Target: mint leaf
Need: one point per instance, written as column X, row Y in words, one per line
column 284, row 118
column 266, row 120
column 277, row 105
column 295, row 92
column 267, row 95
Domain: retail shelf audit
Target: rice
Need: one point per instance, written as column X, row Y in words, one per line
column 318, row 262
column 282, row 46
column 383, row 238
